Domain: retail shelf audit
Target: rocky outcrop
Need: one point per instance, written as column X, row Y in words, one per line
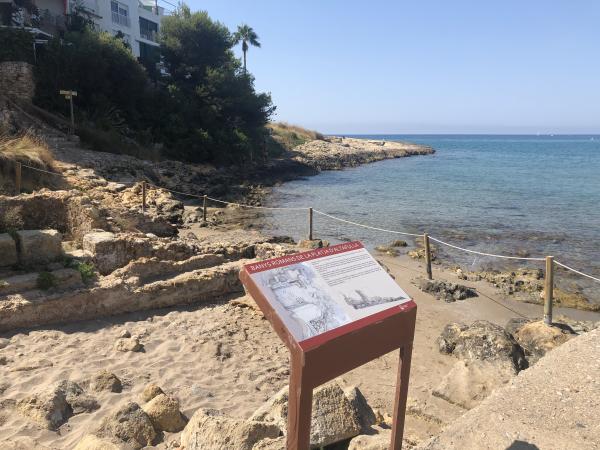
column 209, row 429
column 16, row 79
column 449, row 292
column 8, row 250
column 38, row 246
column 337, row 413
column 338, row 152
column 537, row 338
column 489, row 358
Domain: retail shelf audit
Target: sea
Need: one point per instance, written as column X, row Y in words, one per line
column 517, row 195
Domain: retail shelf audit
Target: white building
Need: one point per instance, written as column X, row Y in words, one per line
column 137, row 20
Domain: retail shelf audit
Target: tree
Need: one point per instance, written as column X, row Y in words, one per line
column 245, row 35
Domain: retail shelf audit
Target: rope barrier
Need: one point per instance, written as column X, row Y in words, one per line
column 576, row 271
column 485, row 254
column 365, row 226
column 404, row 233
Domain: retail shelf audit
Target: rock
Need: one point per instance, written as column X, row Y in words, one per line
column 8, row 250
column 125, row 334
column 209, row 429
column 4, row 342
column 513, row 325
column 387, row 250
column 129, row 424
column 313, row 244
column 106, row 381
column 91, row 442
column 449, row 292
column 482, row 340
column 379, row 441
column 108, row 251
column 469, row 382
column 150, row 391
column 128, row 345
column 271, row 444
column 399, row 243
column 337, row 414
column 165, row 414
column 48, row 408
column 537, row 338
column 38, row 246
column 76, row 398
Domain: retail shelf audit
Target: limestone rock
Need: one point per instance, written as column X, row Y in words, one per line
column 165, row 414
column 39, row 246
column 337, row 414
column 48, row 408
column 537, row 338
column 449, row 292
column 482, row 340
column 150, row 391
column 91, row 442
column 8, row 250
column 128, row 345
column 106, row 381
column 379, row 441
column 4, row 342
column 513, row 325
column 76, row 398
column 388, row 250
column 108, row 251
column 278, row 443
column 470, row 382
column 312, row 244
column 130, row 424
column 209, row 429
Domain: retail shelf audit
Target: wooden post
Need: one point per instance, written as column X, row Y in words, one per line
column 310, row 224
column 204, row 208
column 401, row 396
column 427, row 255
column 548, row 290
column 18, row 177
column 143, row 196
column 299, row 407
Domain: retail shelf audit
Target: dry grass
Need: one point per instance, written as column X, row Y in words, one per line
column 30, row 150
column 290, row 136
column 27, row 149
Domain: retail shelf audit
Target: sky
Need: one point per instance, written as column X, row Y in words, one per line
column 447, row 66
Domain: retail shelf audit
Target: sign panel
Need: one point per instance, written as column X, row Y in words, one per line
column 320, row 290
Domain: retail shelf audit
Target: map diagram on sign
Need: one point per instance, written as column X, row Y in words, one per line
column 332, row 287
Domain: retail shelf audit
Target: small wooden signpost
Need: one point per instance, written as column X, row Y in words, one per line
column 335, row 308
column 69, row 96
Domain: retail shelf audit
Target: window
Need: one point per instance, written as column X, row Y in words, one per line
column 120, row 13
column 148, row 29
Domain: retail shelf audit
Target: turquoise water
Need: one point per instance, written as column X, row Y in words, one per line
column 513, row 195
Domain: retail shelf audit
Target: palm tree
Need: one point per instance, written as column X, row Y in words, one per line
column 245, row 35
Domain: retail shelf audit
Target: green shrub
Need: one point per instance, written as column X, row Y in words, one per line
column 45, row 281
column 87, row 271
column 17, row 45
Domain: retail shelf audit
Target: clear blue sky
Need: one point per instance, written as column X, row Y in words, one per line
column 446, row 66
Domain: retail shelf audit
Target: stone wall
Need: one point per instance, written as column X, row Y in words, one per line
column 16, row 79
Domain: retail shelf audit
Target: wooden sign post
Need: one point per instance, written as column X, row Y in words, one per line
column 69, row 96
column 336, row 309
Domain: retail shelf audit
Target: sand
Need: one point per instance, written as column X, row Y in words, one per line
column 224, row 356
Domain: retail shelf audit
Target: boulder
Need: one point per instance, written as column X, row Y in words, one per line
column 482, row 340
column 379, row 441
column 128, row 345
column 165, row 414
column 91, row 442
column 209, row 429
column 106, row 381
column 8, row 250
column 399, row 243
column 388, row 250
column 38, row 246
column 513, row 325
column 449, row 292
column 278, row 443
column 470, row 382
column 337, row 413
column 312, row 244
column 150, row 391
column 537, row 338
column 79, row 401
column 129, row 424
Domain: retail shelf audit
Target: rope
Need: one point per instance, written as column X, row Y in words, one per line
column 439, row 241
column 365, row 226
column 577, row 271
column 485, row 254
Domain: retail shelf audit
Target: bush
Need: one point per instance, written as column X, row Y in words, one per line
column 17, row 45
column 87, row 271
column 45, row 281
